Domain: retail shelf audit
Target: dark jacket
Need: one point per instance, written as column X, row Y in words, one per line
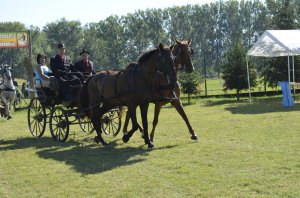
column 58, row 64
column 81, row 67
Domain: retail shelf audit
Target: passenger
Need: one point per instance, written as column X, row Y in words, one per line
column 85, row 66
column 42, row 72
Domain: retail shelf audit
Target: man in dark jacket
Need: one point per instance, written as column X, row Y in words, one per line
column 85, row 66
column 60, row 63
column 61, row 67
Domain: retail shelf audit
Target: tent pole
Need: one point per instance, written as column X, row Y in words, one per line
column 289, row 70
column 294, row 77
column 248, row 75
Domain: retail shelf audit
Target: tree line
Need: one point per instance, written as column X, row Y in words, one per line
column 117, row 40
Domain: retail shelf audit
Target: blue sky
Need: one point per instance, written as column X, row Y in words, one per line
column 39, row 12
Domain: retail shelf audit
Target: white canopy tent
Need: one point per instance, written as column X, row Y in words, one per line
column 275, row 43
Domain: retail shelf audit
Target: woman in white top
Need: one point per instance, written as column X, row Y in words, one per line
column 42, row 72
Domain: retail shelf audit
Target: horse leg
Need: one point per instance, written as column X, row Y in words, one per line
column 95, row 119
column 157, row 109
column 125, row 127
column 132, row 112
column 127, row 118
column 5, row 102
column 12, row 99
column 177, row 104
column 144, row 112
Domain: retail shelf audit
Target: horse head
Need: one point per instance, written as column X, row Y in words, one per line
column 6, row 72
column 159, row 59
column 183, row 55
column 166, row 63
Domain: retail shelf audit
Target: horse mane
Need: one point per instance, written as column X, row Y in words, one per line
column 131, row 66
column 146, row 55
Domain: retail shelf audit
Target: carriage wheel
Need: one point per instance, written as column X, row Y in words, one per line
column 59, row 124
column 111, row 122
column 36, row 118
column 85, row 124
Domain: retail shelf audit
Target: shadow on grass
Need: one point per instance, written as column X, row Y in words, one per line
column 88, row 159
column 222, row 102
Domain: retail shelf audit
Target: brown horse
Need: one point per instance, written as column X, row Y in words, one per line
column 131, row 88
column 182, row 53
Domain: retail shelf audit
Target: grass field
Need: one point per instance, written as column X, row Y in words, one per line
column 215, row 87
column 244, row 151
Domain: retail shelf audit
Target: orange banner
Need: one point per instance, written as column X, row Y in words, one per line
column 14, row 39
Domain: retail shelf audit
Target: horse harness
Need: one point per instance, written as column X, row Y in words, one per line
column 132, row 77
column 5, row 87
column 177, row 54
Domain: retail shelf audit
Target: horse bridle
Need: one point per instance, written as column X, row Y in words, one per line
column 177, row 54
column 4, row 76
column 164, row 67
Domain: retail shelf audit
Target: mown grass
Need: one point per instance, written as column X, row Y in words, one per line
column 244, row 151
column 215, row 87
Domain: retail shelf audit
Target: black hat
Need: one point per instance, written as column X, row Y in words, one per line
column 84, row 51
column 60, row 45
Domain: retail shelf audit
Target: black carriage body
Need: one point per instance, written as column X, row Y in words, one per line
column 49, row 108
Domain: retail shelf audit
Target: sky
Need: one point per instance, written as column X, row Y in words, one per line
column 41, row 12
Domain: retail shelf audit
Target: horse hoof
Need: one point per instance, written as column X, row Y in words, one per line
column 126, row 138
column 194, row 137
column 104, row 143
column 96, row 139
column 150, row 146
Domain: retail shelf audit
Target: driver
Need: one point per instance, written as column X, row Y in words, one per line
column 60, row 63
column 63, row 70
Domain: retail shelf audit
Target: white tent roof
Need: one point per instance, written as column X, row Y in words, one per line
column 273, row 43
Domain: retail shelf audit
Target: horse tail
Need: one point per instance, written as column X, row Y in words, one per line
column 84, row 99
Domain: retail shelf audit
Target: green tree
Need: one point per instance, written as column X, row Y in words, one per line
column 136, row 32
column 189, row 83
column 111, row 32
column 68, row 32
column 234, row 71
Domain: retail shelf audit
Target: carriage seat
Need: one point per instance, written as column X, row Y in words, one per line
column 45, row 94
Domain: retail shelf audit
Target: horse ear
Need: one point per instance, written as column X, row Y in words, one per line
column 161, row 46
column 189, row 41
column 171, row 47
column 178, row 42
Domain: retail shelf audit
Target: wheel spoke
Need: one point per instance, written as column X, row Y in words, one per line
column 106, row 125
column 34, row 127
column 115, row 118
column 32, row 121
column 115, row 127
column 40, row 123
column 38, row 126
column 116, row 122
column 110, row 128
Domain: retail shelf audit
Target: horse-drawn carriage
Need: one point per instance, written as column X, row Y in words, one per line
column 152, row 79
column 47, row 107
